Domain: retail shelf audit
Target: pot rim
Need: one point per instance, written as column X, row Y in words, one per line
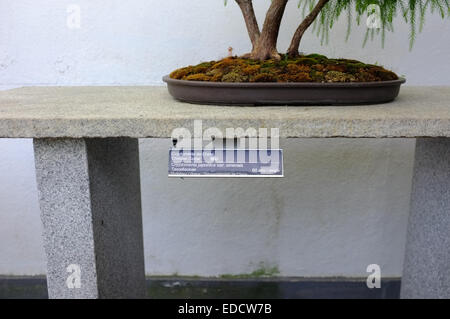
column 169, row 80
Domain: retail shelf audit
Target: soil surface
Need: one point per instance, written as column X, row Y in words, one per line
column 306, row 68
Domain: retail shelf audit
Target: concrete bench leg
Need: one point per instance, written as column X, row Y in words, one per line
column 89, row 192
column 426, row 271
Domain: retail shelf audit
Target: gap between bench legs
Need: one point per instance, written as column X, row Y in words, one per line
column 426, row 272
column 90, row 200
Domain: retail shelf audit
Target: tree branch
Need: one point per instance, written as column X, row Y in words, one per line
column 295, row 43
column 266, row 46
column 250, row 20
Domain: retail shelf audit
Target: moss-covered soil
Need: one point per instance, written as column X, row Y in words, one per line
column 306, row 68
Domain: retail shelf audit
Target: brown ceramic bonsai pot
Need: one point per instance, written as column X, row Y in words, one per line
column 296, row 94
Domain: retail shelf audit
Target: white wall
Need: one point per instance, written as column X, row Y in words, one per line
column 343, row 204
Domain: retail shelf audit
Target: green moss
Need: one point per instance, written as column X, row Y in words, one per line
column 252, row 62
column 307, row 61
column 258, row 273
column 309, row 68
column 355, row 67
column 316, row 56
column 268, row 64
column 346, row 61
column 206, row 64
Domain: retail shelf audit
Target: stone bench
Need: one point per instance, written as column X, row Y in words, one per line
column 87, row 167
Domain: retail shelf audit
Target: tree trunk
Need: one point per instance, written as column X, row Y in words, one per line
column 295, row 43
column 266, row 46
column 250, row 20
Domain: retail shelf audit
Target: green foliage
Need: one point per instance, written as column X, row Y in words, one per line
column 412, row 11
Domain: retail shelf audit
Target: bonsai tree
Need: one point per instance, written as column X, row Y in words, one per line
column 325, row 13
column 264, row 63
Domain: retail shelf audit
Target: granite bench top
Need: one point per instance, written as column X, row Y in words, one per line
column 74, row 112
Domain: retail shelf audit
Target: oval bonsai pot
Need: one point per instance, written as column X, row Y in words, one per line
column 305, row 93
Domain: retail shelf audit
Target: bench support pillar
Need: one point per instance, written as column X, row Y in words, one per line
column 89, row 193
column 426, row 271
